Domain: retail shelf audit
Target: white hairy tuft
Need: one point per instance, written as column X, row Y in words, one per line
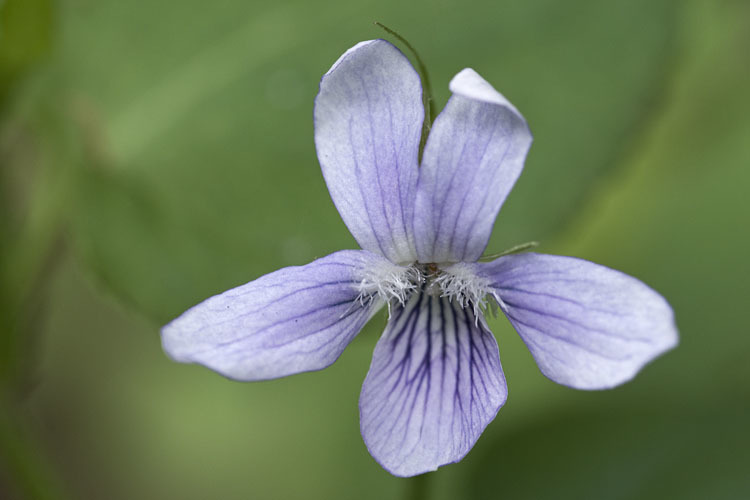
column 389, row 282
column 459, row 283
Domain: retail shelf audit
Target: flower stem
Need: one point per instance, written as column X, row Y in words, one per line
column 417, row 487
column 516, row 249
column 427, row 100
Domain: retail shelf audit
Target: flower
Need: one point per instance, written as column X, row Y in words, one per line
column 435, row 381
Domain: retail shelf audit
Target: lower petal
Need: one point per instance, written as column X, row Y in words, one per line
column 587, row 326
column 434, row 384
column 293, row 320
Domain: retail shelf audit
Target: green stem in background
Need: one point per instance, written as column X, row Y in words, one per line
column 417, row 487
column 516, row 249
column 427, row 100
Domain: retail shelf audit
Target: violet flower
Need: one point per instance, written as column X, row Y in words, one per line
column 435, row 381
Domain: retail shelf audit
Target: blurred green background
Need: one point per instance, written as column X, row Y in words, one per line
column 153, row 153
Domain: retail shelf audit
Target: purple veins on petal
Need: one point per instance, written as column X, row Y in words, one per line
column 587, row 326
column 434, row 384
column 368, row 123
column 292, row 320
column 473, row 156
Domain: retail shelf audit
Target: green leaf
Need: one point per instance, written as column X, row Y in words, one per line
column 26, row 29
column 212, row 117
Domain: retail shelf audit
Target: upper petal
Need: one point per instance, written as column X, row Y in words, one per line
column 293, row 320
column 434, row 384
column 587, row 326
column 473, row 156
column 368, row 121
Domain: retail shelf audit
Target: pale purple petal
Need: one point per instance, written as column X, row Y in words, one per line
column 474, row 154
column 587, row 326
column 434, row 384
column 293, row 320
column 368, row 121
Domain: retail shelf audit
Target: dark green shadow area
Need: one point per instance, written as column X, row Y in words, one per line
column 621, row 455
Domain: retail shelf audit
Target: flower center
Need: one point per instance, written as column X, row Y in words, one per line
column 456, row 282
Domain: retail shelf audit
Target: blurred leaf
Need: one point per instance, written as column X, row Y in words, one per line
column 620, row 456
column 679, row 430
column 213, row 117
column 678, row 220
column 38, row 151
column 25, row 36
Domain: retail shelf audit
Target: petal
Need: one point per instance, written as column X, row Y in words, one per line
column 368, row 122
column 587, row 326
column 434, row 384
column 293, row 320
column 474, row 154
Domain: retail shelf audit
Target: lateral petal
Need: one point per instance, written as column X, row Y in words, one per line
column 473, row 156
column 368, row 122
column 293, row 320
column 587, row 326
column 434, row 384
